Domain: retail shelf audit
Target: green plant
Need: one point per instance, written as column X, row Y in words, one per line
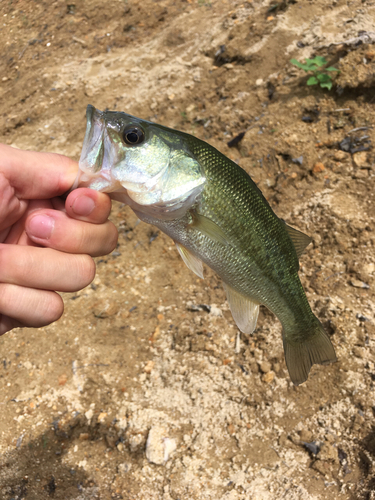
column 316, row 66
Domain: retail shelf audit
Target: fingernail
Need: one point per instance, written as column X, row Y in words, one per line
column 41, row 226
column 83, row 205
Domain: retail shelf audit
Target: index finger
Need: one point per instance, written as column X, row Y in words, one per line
column 36, row 175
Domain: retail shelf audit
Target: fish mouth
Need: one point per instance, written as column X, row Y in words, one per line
column 96, row 158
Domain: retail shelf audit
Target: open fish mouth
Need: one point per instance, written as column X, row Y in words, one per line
column 99, row 152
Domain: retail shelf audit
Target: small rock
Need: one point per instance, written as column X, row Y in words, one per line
column 102, row 416
column 313, row 447
column 89, row 414
column 124, row 468
column 111, row 439
column 358, row 284
column 265, row 367
column 318, row 168
column 215, row 311
column 298, row 160
column 369, row 268
column 328, row 453
column 268, row 377
column 159, row 446
column 190, row 306
column 340, row 155
column 259, row 82
column 360, row 159
column 101, row 310
column 358, row 352
column 136, row 441
column 149, row 366
column 63, row 379
column 321, row 466
column 306, row 436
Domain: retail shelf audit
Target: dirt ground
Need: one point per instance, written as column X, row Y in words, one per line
column 149, row 351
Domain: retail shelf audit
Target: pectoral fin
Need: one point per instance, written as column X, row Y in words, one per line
column 193, row 263
column 208, row 227
column 244, row 310
column 300, row 240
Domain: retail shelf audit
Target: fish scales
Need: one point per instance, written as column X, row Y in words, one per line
column 217, row 215
column 265, row 256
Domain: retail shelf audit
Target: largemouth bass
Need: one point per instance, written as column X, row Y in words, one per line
column 216, row 215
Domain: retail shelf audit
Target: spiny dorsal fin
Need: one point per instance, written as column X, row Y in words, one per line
column 208, row 227
column 193, row 263
column 300, row 240
column 244, row 310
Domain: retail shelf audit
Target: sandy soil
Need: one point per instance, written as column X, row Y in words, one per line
column 148, row 351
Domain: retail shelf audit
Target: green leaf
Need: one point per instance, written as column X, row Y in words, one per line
column 318, row 60
column 331, row 68
column 305, row 67
column 296, row 63
column 312, row 81
column 323, row 77
column 326, row 85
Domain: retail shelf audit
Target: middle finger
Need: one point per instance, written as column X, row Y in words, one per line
column 44, row 268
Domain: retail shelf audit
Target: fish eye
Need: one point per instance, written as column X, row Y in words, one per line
column 133, row 135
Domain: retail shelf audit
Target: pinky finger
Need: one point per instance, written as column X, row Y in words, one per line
column 21, row 306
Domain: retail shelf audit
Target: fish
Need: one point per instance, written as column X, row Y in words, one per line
column 216, row 215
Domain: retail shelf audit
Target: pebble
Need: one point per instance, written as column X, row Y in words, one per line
column 215, row 311
column 101, row 310
column 340, row 155
column 328, row 453
column 360, row 159
column 149, row 366
column 124, row 468
column 358, row 284
column 265, row 366
column 102, row 416
column 268, row 377
column 159, row 446
column 318, row 168
column 63, row 379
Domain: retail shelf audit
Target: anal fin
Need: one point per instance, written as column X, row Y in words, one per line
column 300, row 240
column 244, row 310
column 193, row 263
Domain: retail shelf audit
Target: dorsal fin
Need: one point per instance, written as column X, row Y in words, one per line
column 193, row 263
column 300, row 240
column 244, row 310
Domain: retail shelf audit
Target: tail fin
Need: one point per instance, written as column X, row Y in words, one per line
column 300, row 356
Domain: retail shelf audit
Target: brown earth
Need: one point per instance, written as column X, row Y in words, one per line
column 148, row 346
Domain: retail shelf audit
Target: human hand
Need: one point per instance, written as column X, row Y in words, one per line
column 46, row 245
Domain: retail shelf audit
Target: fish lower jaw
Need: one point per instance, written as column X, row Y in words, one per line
column 103, row 183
